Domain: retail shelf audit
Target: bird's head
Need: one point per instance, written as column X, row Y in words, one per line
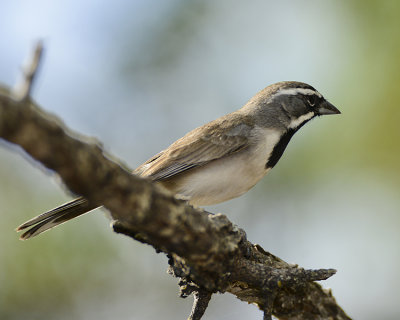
column 289, row 104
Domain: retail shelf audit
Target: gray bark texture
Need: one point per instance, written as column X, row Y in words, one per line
column 206, row 251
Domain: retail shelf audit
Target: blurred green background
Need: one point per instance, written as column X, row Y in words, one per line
column 140, row 74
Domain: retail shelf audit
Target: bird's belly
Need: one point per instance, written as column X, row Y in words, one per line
column 230, row 176
column 222, row 180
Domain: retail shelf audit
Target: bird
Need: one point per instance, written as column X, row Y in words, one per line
column 222, row 159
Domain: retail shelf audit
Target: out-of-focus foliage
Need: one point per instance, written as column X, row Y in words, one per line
column 140, row 74
column 373, row 84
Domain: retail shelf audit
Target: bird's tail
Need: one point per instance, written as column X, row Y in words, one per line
column 54, row 217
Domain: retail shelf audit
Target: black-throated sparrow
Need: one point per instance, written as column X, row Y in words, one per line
column 222, row 159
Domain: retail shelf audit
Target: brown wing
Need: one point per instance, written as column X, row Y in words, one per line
column 212, row 141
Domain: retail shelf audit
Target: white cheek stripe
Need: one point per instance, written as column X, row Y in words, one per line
column 296, row 122
column 294, row 91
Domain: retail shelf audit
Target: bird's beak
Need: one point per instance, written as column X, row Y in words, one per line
column 327, row 108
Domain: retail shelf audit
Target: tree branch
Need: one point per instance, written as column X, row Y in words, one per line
column 23, row 89
column 208, row 252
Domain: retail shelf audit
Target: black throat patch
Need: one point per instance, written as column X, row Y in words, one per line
column 280, row 147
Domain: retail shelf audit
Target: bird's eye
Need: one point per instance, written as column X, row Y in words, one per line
column 312, row 100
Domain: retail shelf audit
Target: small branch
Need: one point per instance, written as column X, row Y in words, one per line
column 268, row 306
column 23, row 89
column 201, row 299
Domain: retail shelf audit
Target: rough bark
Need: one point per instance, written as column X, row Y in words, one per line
column 206, row 251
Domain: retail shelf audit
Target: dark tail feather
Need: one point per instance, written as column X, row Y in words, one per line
column 54, row 217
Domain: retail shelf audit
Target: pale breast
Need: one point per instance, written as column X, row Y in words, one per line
column 231, row 176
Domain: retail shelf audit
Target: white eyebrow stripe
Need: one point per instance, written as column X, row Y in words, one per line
column 305, row 117
column 294, row 91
